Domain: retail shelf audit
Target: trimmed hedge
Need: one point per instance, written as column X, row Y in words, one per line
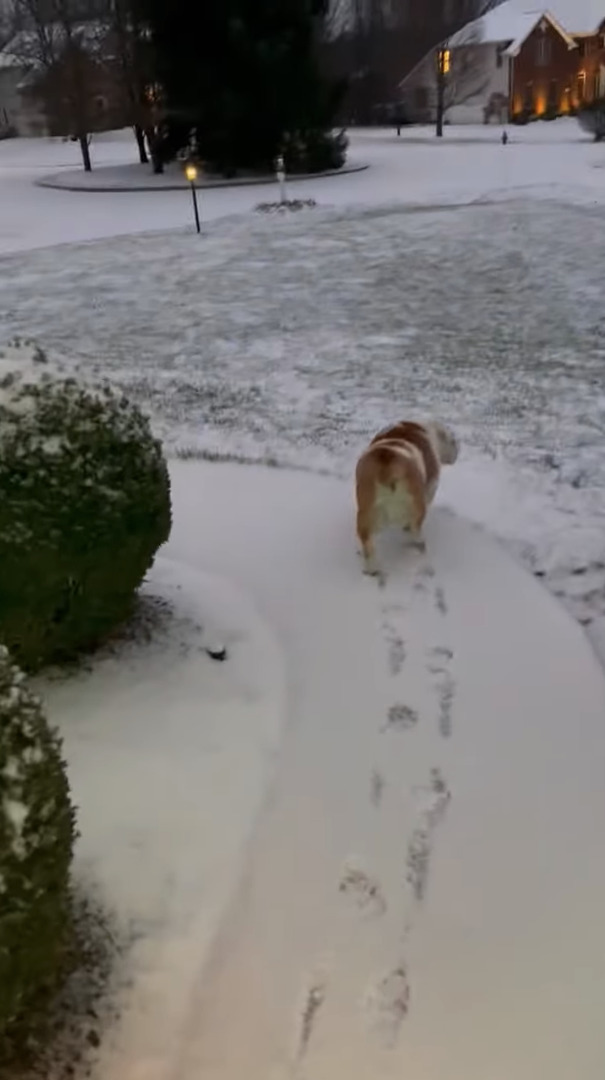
column 317, row 151
column 591, row 118
column 84, row 506
column 36, row 843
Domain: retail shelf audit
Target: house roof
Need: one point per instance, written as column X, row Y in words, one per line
column 503, row 24
column 515, row 46
column 513, row 20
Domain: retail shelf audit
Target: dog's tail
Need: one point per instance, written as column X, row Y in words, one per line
column 383, row 459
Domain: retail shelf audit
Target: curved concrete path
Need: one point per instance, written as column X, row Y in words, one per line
column 424, row 892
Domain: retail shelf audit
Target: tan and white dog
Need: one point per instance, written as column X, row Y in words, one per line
column 397, row 478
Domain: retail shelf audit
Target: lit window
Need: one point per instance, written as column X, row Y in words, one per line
column 581, row 86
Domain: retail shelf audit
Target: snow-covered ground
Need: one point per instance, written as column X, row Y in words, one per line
column 169, row 754
column 422, row 893
column 430, row 858
column 296, row 339
column 541, row 160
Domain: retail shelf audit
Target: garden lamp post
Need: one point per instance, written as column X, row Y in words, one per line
column 280, row 169
column 444, row 63
column 191, row 174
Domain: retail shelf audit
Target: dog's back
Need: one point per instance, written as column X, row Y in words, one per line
column 416, row 438
column 397, row 478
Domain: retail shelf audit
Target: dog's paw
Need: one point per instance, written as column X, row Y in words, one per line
column 370, row 570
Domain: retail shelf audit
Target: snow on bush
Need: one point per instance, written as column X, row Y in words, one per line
column 36, row 843
column 84, row 506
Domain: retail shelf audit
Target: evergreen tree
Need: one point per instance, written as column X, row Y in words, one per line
column 244, row 74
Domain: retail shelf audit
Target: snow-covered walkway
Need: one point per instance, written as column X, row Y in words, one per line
column 424, row 891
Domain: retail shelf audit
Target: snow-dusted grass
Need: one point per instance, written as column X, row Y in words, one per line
column 541, row 160
column 169, row 754
column 296, row 339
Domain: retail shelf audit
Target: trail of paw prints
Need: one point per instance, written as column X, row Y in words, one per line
column 423, row 578
column 437, row 797
column 425, row 582
column 387, row 1004
column 396, row 650
column 441, row 603
column 439, row 666
column 362, row 890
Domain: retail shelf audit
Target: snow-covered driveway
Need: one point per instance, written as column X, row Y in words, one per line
column 425, row 889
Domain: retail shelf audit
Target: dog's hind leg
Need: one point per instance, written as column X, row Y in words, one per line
column 366, row 540
column 417, row 521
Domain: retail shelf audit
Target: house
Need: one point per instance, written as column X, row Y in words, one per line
column 511, row 64
column 50, row 84
column 590, row 77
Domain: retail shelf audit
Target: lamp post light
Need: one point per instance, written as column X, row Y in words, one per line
column 191, row 174
column 280, row 169
column 444, row 65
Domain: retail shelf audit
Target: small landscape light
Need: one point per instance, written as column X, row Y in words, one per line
column 191, row 175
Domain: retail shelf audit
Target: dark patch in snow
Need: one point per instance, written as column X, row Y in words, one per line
column 156, row 626
column 313, row 1003
column 419, row 851
column 401, row 718
column 395, row 646
column 388, row 1004
column 377, row 786
column 440, row 601
column 72, row 1029
column 440, row 659
column 365, row 892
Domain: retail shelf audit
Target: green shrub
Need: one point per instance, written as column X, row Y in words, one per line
column 36, row 842
column 591, row 118
column 318, row 151
column 84, row 506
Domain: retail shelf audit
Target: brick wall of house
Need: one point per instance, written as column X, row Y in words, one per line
column 590, row 75
column 544, row 74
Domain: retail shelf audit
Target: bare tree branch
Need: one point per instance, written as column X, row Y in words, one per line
column 375, row 44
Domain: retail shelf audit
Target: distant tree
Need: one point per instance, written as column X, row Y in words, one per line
column 133, row 66
column 65, row 56
column 244, row 76
column 374, row 44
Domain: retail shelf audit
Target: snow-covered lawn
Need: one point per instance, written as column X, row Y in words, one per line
column 542, row 160
column 422, row 893
column 296, row 339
